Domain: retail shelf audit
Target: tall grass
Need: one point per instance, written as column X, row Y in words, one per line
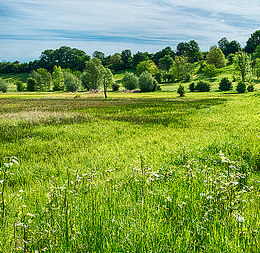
column 135, row 173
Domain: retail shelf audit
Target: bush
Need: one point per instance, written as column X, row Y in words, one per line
column 241, row 87
column 156, row 86
column 20, row 86
column 146, row 82
column 181, row 91
column 31, row 84
column 202, row 87
column 130, row 81
column 72, row 83
column 115, row 87
column 3, row 86
column 250, row 88
column 192, row 87
column 225, row 85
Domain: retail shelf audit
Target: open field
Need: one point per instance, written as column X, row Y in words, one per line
column 137, row 172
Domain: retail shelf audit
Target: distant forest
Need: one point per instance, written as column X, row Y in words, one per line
column 75, row 59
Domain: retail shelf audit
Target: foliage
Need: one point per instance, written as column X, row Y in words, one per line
column 3, row 86
column 182, row 69
column 210, row 70
column 166, row 63
column 115, row 87
column 44, row 79
column 257, row 68
column 192, row 87
column 20, row 86
column 250, row 88
column 256, row 54
column 160, row 54
column 202, row 86
column 253, row 42
column 108, row 79
column 140, row 57
column 65, row 57
column 225, row 84
column 242, row 64
column 230, row 58
column 241, row 87
column 146, row 66
column 146, row 82
column 229, row 47
column 58, row 79
column 98, row 54
column 181, row 90
column 127, row 58
column 216, row 57
column 116, row 62
column 190, row 50
column 130, row 81
column 31, row 84
column 92, row 76
column 71, row 82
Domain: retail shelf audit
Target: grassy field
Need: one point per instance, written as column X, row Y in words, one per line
column 141, row 172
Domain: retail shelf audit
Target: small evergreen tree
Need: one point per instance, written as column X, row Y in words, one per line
column 181, row 90
column 225, row 84
column 202, row 87
column 241, row 87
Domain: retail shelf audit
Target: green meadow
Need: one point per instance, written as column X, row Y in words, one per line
column 137, row 172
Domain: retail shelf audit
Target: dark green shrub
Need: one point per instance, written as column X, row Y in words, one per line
column 3, row 86
column 130, row 81
column 146, row 82
column 225, row 85
column 31, row 84
column 202, row 87
column 192, row 87
column 181, row 91
column 20, row 86
column 115, row 87
column 241, row 87
column 250, row 88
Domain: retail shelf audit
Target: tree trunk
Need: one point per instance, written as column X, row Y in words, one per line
column 105, row 88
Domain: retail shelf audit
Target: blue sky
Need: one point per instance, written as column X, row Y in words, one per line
column 27, row 27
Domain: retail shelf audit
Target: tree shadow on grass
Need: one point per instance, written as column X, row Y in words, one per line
column 158, row 111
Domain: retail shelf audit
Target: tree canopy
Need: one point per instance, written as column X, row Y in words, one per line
column 253, row 42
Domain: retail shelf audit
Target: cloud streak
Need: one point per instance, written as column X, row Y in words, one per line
column 27, row 27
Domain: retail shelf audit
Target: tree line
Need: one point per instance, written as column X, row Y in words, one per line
column 75, row 59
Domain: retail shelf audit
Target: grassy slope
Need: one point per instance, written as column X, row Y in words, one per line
column 144, row 172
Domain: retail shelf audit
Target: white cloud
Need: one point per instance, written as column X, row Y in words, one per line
column 111, row 24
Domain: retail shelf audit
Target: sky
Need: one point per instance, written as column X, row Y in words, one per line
column 28, row 27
